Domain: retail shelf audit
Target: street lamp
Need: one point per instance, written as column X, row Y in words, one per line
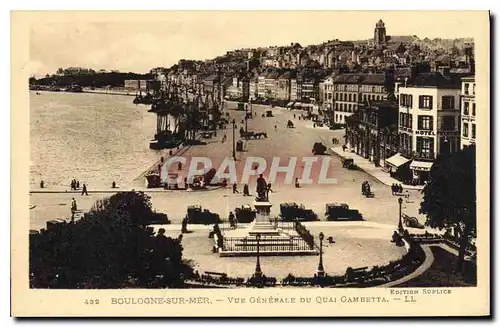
column 321, row 270
column 246, row 118
column 234, row 144
column 400, row 225
column 258, row 271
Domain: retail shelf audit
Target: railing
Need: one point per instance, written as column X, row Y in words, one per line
column 266, row 244
column 285, row 225
column 304, row 234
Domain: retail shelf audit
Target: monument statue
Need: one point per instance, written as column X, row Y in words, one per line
column 262, row 193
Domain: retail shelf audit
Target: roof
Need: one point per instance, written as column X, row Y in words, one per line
column 347, row 79
column 397, row 160
column 212, row 78
column 273, row 75
column 374, row 79
column 436, row 79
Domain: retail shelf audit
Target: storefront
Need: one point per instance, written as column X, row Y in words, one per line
column 420, row 170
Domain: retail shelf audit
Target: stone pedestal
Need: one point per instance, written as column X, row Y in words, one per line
column 261, row 225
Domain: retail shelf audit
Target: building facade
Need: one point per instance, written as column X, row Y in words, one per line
column 468, row 112
column 429, row 111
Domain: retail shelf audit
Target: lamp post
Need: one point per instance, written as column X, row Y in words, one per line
column 234, row 144
column 246, row 118
column 400, row 225
column 321, row 270
column 258, row 271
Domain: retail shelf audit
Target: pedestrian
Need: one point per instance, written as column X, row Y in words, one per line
column 297, row 182
column 186, row 183
column 224, row 138
column 294, row 116
column 245, row 190
column 314, row 125
column 235, row 188
column 73, row 205
column 84, row 190
column 275, row 127
column 269, row 188
column 77, row 184
column 231, row 219
column 343, row 147
column 72, row 184
column 41, row 184
column 113, row 185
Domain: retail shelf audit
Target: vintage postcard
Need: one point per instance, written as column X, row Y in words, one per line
column 274, row 163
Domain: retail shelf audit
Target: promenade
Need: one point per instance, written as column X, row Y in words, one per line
column 53, row 203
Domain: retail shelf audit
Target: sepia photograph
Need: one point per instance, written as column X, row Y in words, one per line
column 252, row 158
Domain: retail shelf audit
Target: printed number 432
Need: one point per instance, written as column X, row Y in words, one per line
column 92, row 302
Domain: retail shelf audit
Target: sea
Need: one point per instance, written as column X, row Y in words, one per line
column 93, row 138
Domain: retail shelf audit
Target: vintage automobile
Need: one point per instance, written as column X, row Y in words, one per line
column 245, row 214
column 291, row 211
column 196, row 215
column 348, row 163
column 318, row 148
column 412, row 222
column 341, row 211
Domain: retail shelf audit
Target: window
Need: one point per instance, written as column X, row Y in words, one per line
column 349, row 97
column 474, row 88
column 473, row 109
column 354, row 97
column 473, row 131
column 364, row 98
column 401, row 119
column 406, row 100
column 425, row 145
column 466, row 108
column 448, row 102
column 425, row 102
column 336, row 106
column 465, row 130
column 466, row 88
column 425, row 122
column 448, row 123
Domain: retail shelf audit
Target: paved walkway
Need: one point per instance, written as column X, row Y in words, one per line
column 429, row 259
column 368, row 167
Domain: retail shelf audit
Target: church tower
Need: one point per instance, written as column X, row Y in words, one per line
column 380, row 35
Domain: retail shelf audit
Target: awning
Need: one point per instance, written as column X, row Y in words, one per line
column 396, row 160
column 421, row 165
column 290, row 104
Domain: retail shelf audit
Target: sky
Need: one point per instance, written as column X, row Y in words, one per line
column 138, row 42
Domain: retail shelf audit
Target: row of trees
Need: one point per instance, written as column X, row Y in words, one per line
column 113, row 79
column 110, row 247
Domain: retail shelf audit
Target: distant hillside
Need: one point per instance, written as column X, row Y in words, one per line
column 95, row 80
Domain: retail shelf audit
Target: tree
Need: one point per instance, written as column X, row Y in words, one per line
column 110, row 247
column 450, row 197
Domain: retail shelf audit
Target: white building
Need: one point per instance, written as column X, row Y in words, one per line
column 468, row 108
column 429, row 113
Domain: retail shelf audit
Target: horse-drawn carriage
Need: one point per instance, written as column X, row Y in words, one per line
column 196, row 215
column 291, row 211
column 348, row 163
column 341, row 211
column 253, row 135
column 411, row 222
column 318, row 148
column 245, row 214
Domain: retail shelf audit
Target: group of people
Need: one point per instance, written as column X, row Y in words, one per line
column 246, row 189
column 75, row 185
column 396, row 188
column 335, row 140
column 365, row 188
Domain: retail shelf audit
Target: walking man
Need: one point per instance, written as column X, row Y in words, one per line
column 235, row 188
column 84, row 190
